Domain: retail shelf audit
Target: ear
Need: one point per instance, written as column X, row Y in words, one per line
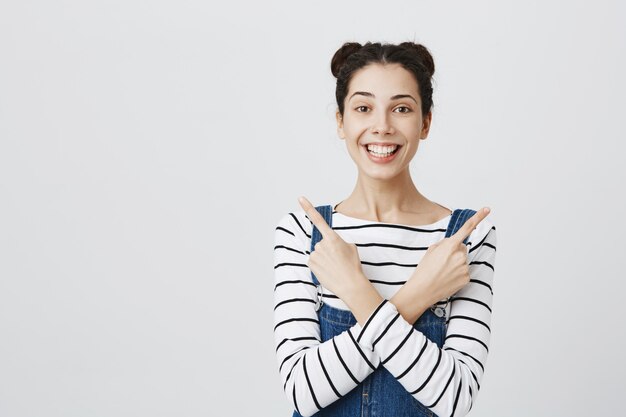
column 426, row 125
column 339, row 119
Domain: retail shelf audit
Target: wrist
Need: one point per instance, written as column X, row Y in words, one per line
column 411, row 300
column 362, row 299
column 356, row 289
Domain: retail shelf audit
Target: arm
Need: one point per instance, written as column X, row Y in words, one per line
column 445, row 380
column 314, row 373
column 410, row 306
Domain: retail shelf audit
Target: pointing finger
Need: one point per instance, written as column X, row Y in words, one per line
column 469, row 225
column 315, row 217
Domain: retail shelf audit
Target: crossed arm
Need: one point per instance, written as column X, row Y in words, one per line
column 315, row 374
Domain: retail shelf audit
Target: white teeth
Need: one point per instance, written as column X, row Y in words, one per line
column 381, row 150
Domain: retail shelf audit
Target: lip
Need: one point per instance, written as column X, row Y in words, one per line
column 382, row 144
column 384, row 160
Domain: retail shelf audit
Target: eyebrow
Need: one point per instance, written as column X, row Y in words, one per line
column 396, row 97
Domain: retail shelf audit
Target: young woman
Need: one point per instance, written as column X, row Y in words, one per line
column 388, row 314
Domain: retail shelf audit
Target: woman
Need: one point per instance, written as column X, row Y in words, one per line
column 400, row 326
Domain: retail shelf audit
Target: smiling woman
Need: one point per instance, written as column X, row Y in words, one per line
column 382, row 302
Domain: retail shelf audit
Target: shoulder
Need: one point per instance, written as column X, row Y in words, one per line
column 484, row 232
column 295, row 223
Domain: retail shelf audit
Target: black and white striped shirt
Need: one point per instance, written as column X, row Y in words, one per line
column 316, row 374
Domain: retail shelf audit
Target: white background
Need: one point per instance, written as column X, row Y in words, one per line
column 148, row 149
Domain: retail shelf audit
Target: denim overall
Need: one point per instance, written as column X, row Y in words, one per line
column 380, row 394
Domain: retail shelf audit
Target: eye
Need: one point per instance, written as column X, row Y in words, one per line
column 361, row 107
column 406, row 109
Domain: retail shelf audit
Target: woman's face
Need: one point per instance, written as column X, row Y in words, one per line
column 382, row 107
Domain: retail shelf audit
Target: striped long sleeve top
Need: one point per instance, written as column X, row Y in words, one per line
column 314, row 374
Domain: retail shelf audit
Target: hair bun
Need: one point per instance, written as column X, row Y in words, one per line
column 423, row 53
column 341, row 55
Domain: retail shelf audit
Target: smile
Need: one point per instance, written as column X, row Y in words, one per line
column 381, row 154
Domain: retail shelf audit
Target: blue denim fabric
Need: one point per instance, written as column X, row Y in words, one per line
column 380, row 394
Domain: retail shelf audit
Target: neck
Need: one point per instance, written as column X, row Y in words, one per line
column 378, row 199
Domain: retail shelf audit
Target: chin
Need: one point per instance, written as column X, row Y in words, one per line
column 380, row 176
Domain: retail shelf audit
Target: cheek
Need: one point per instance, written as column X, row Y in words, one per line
column 411, row 128
column 354, row 130
column 412, row 135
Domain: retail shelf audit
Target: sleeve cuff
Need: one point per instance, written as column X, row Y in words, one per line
column 377, row 324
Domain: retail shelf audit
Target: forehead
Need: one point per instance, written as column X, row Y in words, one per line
column 383, row 80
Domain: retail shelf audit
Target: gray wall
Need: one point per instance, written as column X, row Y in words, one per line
column 147, row 150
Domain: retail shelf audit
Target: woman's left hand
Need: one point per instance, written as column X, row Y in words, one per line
column 335, row 263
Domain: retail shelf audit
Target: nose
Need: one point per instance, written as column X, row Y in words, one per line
column 381, row 124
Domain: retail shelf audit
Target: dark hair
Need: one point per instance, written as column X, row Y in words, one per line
column 414, row 57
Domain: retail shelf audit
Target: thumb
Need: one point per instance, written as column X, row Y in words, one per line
column 434, row 245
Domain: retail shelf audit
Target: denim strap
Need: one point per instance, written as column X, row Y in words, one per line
column 316, row 236
column 459, row 217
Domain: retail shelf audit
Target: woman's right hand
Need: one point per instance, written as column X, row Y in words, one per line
column 444, row 268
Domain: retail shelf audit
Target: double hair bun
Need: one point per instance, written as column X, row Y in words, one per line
column 349, row 49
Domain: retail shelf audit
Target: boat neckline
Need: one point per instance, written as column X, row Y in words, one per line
column 357, row 219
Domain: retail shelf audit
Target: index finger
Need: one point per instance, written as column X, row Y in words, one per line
column 316, row 217
column 470, row 224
